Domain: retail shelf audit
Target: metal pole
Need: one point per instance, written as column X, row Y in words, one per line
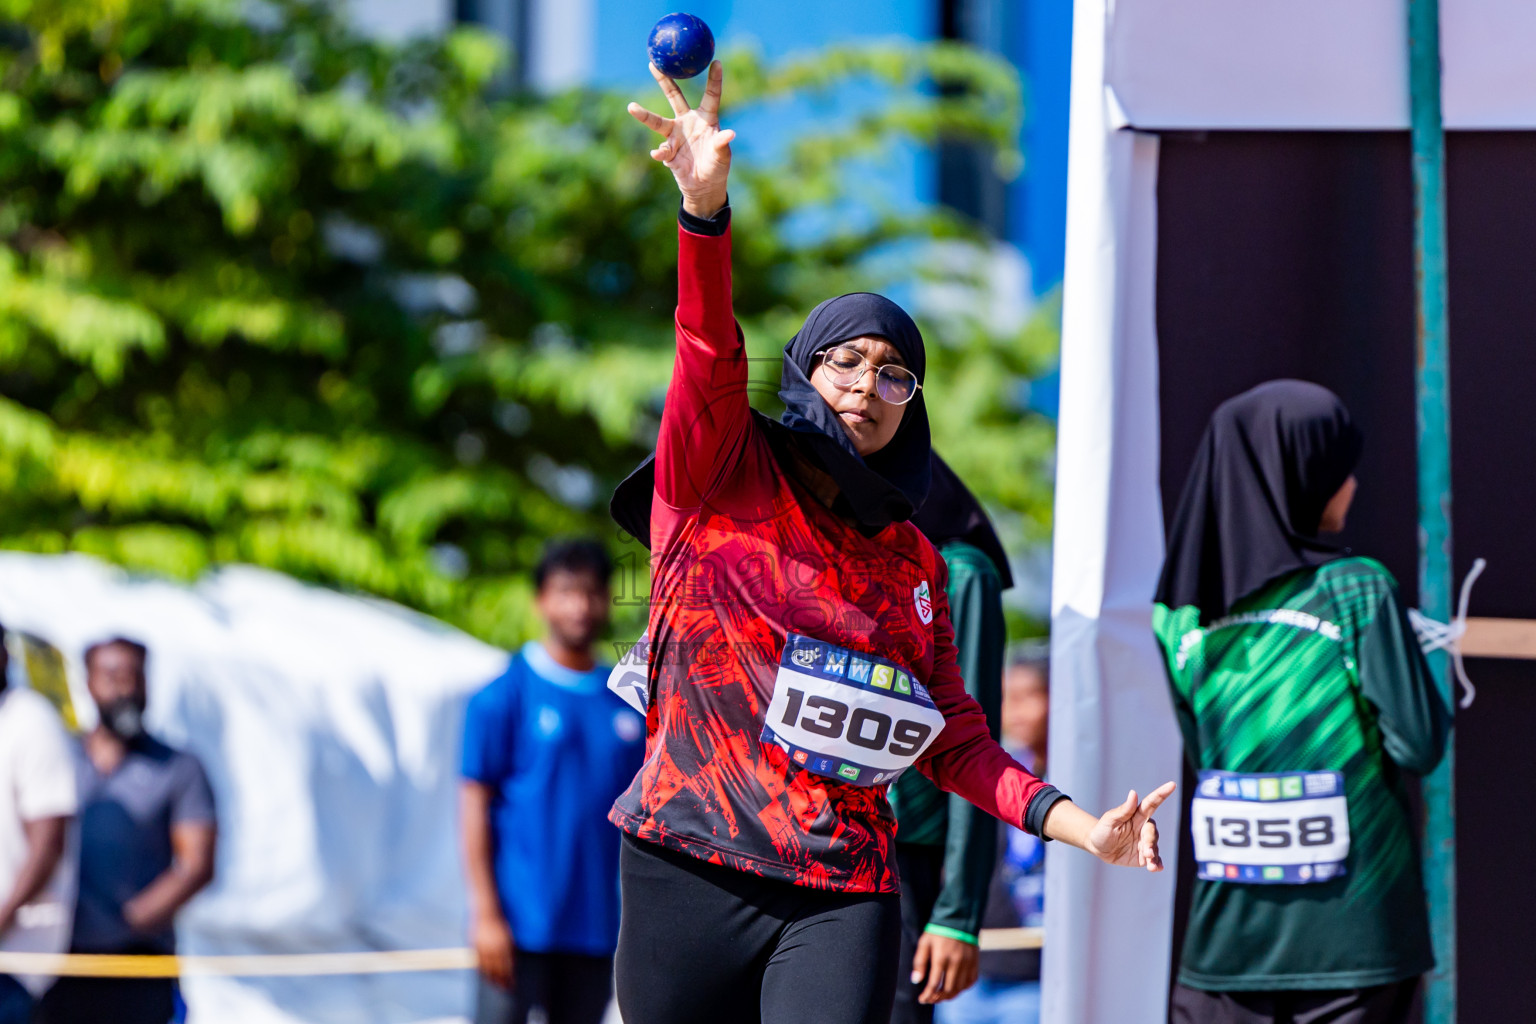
column 1433, row 386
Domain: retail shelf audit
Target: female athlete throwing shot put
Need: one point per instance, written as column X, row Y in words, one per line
column 801, row 655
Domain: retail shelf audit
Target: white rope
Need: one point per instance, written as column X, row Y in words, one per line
column 105, row 965
column 1446, row 636
column 99, row 965
column 1011, row 938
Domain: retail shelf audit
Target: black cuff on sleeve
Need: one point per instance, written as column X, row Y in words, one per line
column 715, row 226
column 1039, row 806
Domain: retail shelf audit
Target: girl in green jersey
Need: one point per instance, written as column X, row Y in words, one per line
column 1304, row 700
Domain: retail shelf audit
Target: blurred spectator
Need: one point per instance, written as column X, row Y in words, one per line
column 547, row 749
column 37, row 799
column 147, row 838
column 1009, row 989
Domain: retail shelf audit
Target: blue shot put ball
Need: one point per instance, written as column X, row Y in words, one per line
column 681, row 45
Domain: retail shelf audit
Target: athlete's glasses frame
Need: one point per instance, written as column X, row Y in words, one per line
column 845, row 367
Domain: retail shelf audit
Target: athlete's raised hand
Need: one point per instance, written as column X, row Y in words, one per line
column 1125, row 836
column 693, row 147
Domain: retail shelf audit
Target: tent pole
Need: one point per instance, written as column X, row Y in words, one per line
column 1434, row 467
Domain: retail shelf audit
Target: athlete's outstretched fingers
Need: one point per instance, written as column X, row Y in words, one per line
column 723, row 139
column 664, row 152
column 674, row 94
column 1149, row 852
column 655, row 122
column 1126, row 811
column 710, row 104
column 1155, row 798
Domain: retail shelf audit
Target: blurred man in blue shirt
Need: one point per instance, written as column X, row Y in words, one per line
column 547, row 749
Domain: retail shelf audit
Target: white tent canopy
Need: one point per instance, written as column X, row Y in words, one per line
column 1309, row 64
column 329, row 726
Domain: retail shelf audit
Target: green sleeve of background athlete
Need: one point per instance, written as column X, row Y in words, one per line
column 970, row 844
column 1169, row 627
column 1395, row 680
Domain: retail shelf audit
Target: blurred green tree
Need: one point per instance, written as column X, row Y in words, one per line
column 275, row 292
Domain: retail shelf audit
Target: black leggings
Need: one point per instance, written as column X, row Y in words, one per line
column 704, row 944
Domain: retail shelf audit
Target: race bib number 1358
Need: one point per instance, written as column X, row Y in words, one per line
column 1285, row 827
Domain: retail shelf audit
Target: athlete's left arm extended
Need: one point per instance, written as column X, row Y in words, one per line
column 975, row 595
column 966, row 759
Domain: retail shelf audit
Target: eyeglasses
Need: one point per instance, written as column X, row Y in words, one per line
column 846, row 366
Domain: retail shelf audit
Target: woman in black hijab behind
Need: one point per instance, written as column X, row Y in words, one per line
column 801, row 655
column 1303, row 699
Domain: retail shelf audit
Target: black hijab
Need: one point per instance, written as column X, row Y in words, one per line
column 1268, row 464
column 890, row 485
column 953, row 513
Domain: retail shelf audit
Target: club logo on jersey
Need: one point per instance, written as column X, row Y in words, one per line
column 924, row 601
column 805, row 657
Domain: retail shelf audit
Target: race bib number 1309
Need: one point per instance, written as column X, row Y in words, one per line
column 1281, row 828
column 851, row 717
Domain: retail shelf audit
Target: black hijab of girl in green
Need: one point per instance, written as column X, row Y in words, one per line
column 1269, row 463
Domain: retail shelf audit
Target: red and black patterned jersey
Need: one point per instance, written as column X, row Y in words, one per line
column 742, row 556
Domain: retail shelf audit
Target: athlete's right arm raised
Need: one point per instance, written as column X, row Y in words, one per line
column 706, row 419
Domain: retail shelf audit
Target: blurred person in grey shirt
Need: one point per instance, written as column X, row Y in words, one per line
column 147, row 839
column 37, row 800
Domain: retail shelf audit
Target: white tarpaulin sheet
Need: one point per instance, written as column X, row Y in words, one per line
column 329, row 726
column 1112, row 726
column 1300, row 64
